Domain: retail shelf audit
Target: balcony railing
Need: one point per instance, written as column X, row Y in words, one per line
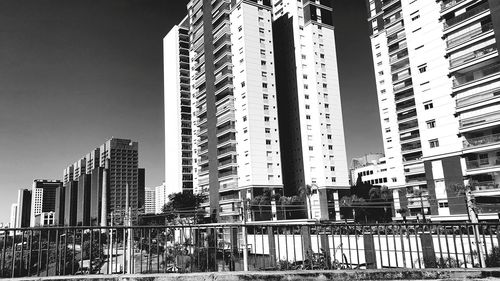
column 483, row 163
column 473, row 56
column 452, row 42
column 403, row 95
column 411, row 146
column 481, row 141
column 463, row 17
column 472, row 76
column 479, row 97
column 479, row 120
column 488, row 185
column 449, row 3
column 395, row 37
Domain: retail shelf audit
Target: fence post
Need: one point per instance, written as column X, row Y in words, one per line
column 306, row 242
column 428, row 252
column 272, row 245
column 234, row 247
column 325, row 245
column 370, row 254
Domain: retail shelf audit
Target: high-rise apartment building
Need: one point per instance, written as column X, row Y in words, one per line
column 257, row 110
column 161, row 197
column 178, row 134
column 437, row 75
column 43, row 197
column 98, row 183
column 149, row 201
column 310, row 113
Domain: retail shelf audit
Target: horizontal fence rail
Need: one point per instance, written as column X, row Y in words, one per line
column 59, row 251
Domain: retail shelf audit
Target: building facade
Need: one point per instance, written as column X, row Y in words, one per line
column 150, row 201
column 436, row 75
column 312, row 134
column 43, row 197
column 247, row 60
column 96, row 185
column 178, row 133
column 370, row 169
column 161, row 197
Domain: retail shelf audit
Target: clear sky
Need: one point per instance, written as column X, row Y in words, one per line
column 74, row 73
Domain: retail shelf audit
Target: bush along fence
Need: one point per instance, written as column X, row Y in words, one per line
column 59, row 251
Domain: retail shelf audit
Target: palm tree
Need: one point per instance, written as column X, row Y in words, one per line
column 305, row 192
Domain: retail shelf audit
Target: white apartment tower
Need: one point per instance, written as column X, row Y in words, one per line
column 312, row 133
column 436, row 74
column 178, row 135
column 265, row 102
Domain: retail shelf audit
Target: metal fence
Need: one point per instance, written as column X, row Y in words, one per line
column 235, row 247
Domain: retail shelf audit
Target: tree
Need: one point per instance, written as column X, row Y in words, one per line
column 305, row 192
column 184, row 205
column 354, row 202
column 260, row 202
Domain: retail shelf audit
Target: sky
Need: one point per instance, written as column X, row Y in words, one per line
column 75, row 73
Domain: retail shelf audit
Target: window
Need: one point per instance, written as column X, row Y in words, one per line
column 431, row 124
column 244, row 118
column 308, row 117
column 306, row 96
column 327, row 105
column 443, row 204
column 268, row 130
column 262, row 52
column 428, row 105
column 311, row 148
column 264, row 74
column 330, row 147
column 265, row 96
column 434, row 143
column 266, row 118
column 332, row 168
column 268, row 142
column 262, row 62
column 243, row 84
column 422, row 68
column 387, row 130
column 329, row 136
column 304, row 76
column 240, row 28
column 308, row 106
column 264, row 85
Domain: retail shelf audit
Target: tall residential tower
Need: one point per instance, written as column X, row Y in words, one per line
column 437, row 78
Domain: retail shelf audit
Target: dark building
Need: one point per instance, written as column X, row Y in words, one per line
column 96, row 196
column 83, row 201
column 59, row 212
column 70, row 202
column 24, row 208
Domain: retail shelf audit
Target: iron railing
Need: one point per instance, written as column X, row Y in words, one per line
column 59, row 251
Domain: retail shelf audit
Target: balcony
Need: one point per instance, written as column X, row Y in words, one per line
column 406, row 137
column 447, row 4
column 467, row 123
column 411, row 147
column 413, row 124
column 481, row 141
column 469, row 36
column 467, row 15
column 491, row 162
column 396, row 37
column 477, row 54
column 224, row 151
column 405, row 105
column 484, row 186
column 471, row 76
column 397, row 47
column 403, row 95
column 402, row 86
column 399, row 55
column 479, row 97
column 407, row 115
column 231, row 173
column 401, row 76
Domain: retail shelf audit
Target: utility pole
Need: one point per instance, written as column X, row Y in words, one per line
column 111, row 244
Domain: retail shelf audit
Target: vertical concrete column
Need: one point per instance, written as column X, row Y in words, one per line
column 325, row 245
column 337, row 204
column 272, row 245
column 234, row 247
column 428, row 251
column 370, row 254
column 306, row 242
